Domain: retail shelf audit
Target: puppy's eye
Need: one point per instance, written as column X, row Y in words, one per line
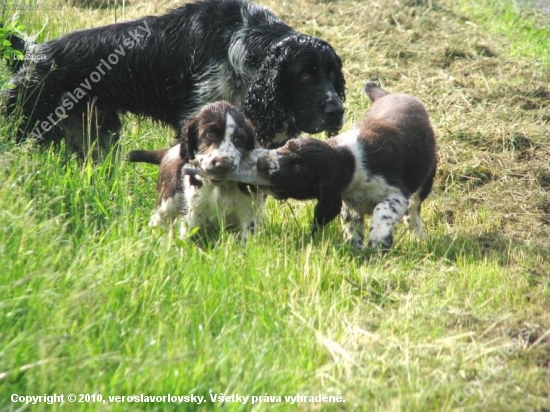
column 305, row 75
column 210, row 136
column 239, row 141
column 296, row 166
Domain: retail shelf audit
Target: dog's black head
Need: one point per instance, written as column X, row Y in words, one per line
column 308, row 169
column 217, row 138
column 300, row 85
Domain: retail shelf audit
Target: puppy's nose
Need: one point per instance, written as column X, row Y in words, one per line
column 262, row 165
column 221, row 165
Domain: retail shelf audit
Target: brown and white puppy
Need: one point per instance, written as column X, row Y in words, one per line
column 385, row 167
column 216, row 140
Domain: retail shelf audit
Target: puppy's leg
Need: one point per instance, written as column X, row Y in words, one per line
column 184, row 224
column 250, row 220
column 248, row 229
column 194, row 212
column 184, row 229
column 168, row 209
column 385, row 215
column 172, row 199
column 353, row 224
column 412, row 217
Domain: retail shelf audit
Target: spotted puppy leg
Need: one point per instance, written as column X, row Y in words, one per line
column 193, row 225
column 251, row 220
column 248, row 229
column 247, row 224
column 385, row 215
column 353, row 224
column 412, row 217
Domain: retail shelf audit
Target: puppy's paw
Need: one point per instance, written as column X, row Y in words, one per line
column 383, row 243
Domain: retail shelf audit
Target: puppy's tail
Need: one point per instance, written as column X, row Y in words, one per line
column 374, row 91
column 147, row 156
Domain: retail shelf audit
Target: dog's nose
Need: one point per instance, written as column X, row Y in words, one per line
column 334, row 109
column 221, row 165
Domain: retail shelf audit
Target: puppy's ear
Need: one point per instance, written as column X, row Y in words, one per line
column 328, row 205
column 263, row 102
column 189, row 139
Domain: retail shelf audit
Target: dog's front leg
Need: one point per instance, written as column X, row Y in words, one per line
column 385, row 215
column 353, row 224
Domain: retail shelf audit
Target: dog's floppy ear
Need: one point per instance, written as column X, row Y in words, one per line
column 329, row 202
column 189, row 139
column 263, row 101
column 339, row 85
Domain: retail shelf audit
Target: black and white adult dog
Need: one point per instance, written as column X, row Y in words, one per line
column 385, row 166
column 217, row 139
column 167, row 67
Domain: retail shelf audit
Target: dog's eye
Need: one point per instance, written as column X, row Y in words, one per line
column 305, row 75
column 210, row 136
column 239, row 141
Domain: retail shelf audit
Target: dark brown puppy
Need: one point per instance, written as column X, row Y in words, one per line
column 385, row 167
column 216, row 139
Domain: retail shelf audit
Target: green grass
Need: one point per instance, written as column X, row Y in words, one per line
column 94, row 301
column 522, row 25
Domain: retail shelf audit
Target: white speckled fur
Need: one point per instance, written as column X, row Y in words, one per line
column 214, row 206
column 226, row 149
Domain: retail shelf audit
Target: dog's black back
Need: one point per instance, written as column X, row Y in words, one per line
column 169, row 66
column 159, row 65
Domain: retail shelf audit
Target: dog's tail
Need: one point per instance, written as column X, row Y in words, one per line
column 147, row 156
column 374, row 91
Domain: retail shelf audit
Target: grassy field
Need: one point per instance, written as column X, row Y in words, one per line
column 92, row 301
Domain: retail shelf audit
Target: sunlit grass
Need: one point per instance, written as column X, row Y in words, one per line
column 94, row 301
